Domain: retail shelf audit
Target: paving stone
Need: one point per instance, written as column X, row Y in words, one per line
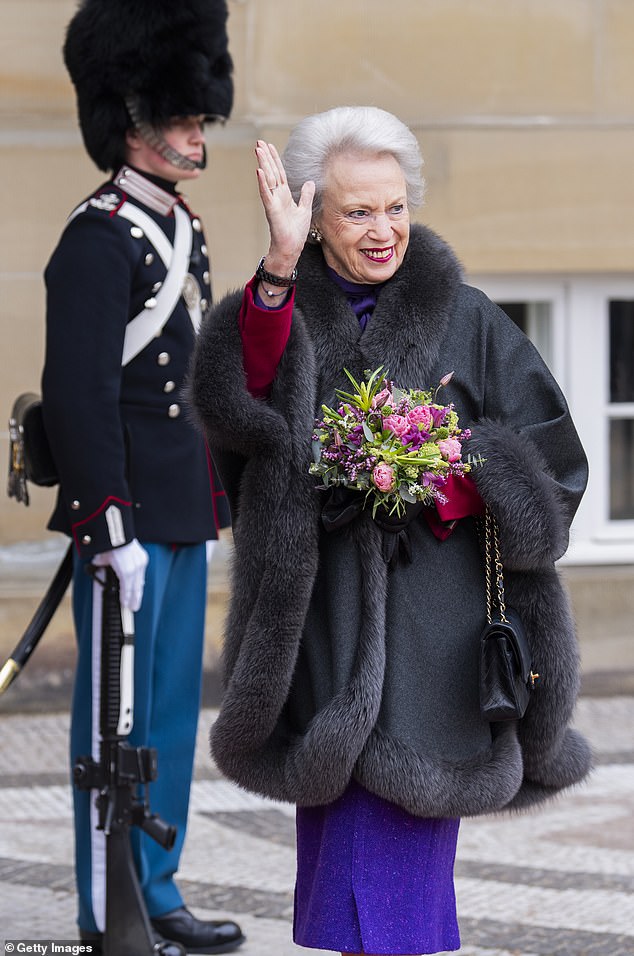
column 555, row 882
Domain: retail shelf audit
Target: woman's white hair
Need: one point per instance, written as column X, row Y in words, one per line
column 351, row 129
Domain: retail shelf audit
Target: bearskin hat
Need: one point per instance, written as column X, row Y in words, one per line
column 171, row 56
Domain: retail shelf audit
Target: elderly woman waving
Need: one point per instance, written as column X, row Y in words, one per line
column 352, row 639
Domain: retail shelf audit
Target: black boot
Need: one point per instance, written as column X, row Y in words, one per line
column 198, row 936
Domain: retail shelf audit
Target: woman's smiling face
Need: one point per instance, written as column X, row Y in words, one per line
column 364, row 220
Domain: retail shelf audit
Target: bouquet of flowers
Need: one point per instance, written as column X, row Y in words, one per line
column 398, row 446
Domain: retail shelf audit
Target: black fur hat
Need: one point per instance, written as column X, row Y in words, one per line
column 170, row 56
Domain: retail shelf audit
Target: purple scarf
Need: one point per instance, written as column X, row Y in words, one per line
column 361, row 296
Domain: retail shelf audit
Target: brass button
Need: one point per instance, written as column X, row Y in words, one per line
column 75, row 505
column 203, row 249
column 163, row 358
column 149, row 259
column 156, row 287
column 196, row 226
column 206, row 277
column 136, row 232
column 150, row 303
column 203, row 304
column 169, row 387
column 174, row 410
column 86, row 539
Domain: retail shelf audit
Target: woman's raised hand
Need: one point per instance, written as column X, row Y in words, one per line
column 288, row 221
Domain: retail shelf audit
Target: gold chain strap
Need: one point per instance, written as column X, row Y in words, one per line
column 491, row 537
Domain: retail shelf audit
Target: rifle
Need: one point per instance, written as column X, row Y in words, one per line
column 116, row 776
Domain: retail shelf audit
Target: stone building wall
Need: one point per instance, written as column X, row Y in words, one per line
column 524, row 111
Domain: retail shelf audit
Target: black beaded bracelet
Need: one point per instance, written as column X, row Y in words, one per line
column 261, row 273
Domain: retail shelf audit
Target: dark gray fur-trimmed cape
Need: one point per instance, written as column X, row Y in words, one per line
column 336, row 667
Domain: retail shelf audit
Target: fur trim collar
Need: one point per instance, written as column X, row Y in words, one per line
column 408, row 325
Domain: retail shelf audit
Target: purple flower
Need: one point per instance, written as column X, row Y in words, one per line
column 438, row 415
column 412, row 436
column 429, row 479
column 355, row 436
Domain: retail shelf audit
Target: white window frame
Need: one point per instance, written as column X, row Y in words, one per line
column 589, row 375
column 535, row 289
column 580, row 363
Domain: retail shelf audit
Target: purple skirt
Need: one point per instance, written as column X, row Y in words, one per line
column 372, row 878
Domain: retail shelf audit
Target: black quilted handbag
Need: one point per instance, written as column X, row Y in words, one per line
column 30, row 457
column 506, row 676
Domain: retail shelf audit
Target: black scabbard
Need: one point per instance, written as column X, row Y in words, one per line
column 39, row 622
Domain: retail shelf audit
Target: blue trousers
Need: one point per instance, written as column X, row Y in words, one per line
column 169, row 636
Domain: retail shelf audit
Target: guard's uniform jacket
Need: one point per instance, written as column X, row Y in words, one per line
column 131, row 463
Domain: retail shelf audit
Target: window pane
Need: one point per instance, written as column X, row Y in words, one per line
column 516, row 311
column 622, row 469
column 533, row 318
column 621, row 351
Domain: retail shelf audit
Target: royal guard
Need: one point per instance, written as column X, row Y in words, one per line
column 126, row 288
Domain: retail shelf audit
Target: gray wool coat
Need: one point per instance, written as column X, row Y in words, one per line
column 335, row 666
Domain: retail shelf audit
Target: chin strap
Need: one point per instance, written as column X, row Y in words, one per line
column 158, row 143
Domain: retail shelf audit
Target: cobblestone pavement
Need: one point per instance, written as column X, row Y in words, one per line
column 557, row 882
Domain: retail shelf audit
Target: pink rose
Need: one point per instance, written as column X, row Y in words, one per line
column 421, row 415
column 383, row 477
column 396, row 424
column 450, row 448
column 381, row 398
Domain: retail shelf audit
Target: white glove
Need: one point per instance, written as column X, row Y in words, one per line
column 129, row 563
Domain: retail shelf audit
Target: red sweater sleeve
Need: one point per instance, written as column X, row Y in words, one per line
column 264, row 334
column 463, row 499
